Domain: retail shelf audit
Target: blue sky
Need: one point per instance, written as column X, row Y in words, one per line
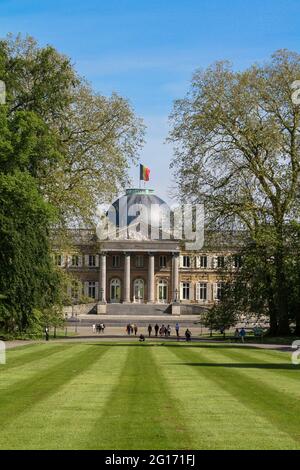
column 148, row 50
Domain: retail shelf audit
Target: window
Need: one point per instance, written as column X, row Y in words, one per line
column 92, row 289
column 139, row 261
column 219, row 290
column 116, row 261
column 138, row 289
column 162, row 261
column 92, row 260
column 185, row 290
column 201, row 291
column 75, row 260
column 162, row 291
column 186, row 261
column 115, row 290
column 220, row 261
column 58, row 259
column 237, row 261
column 203, row 261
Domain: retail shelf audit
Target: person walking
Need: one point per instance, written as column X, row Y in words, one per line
column 135, row 329
column 177, row 330
column 156, row 328
column 149, row 330
column 168, row 330
column 47, row 333
column 236, row 334
column 243, row 334
column 94, row 328
column 162, row 330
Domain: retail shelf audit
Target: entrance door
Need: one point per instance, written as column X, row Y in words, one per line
column 138, row 288
column 163, row 291
column 115, row 290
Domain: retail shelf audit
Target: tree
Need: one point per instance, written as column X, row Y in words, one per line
column 292, row 269
column 51, row 317
column 101, row 137
column 219, row 318
column 63, row 150
column 250, row 290
column 28, row 279
column 84, row 142
column 237, row 149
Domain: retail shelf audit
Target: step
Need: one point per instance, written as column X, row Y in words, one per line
column 138, row 309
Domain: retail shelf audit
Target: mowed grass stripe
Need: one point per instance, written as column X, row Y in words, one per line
column 273, row 395
column 31, row 353
column 215, row 418
column 267, row 371
column 28, row 392
column 272, row 357
column 64, row 419
column 128, row 396
column 281, row 377
column 275, row 407
column 140, row 413
column 12, row 377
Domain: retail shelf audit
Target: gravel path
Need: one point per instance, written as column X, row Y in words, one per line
column 124, row 337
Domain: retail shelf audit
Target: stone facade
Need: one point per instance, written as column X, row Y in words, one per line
column 125, row 270
column 147, row 272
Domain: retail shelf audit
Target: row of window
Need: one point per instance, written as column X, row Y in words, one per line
column 186, row 290
column 186, row 261
column 139, row 261
column 202, row 261
column 92, row 261
column 77, row 289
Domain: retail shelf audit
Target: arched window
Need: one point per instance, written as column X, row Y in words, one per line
column 162, row 293
column 115, row 290
column 138, row 289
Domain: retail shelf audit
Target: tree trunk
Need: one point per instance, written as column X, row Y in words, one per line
column 297, row 321
column 272, row 315
column 273, row 324
column 281, row 294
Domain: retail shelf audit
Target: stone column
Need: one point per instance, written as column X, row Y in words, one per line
column 102, row 278
column 151, row 279
column 175, row 275
column 126, row 278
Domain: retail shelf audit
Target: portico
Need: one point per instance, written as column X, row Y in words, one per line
column 147, row 273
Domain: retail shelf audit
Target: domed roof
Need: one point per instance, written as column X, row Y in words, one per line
column 142, row 212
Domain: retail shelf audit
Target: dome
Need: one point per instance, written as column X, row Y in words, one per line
column 142, row 213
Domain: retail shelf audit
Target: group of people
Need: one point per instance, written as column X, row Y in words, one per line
column 157, row 330
column 98, row 328
column 132, row 329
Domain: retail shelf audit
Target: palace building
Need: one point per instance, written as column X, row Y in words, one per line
column 134, row 271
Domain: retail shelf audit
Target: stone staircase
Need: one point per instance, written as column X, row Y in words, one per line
column 138, row 309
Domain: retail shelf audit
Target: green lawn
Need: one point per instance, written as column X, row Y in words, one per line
column 148, row 396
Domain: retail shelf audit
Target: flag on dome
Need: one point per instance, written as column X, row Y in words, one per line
column 144, row 173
